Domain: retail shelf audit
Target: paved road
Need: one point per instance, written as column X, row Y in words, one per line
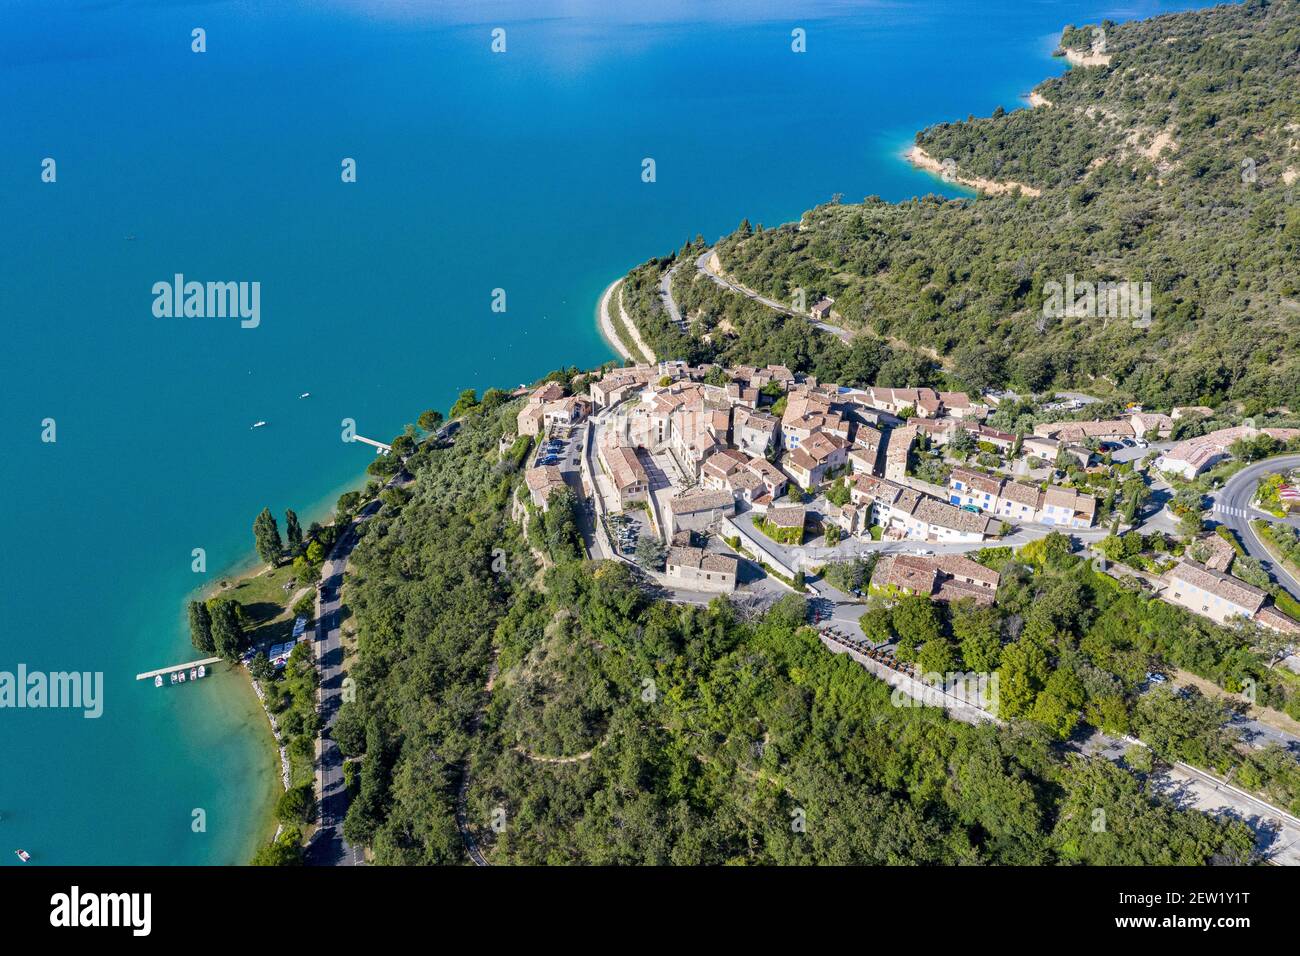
column 855, row 547
column 666, row 293
column 328, row 847
column 1232, row 507
column 701, row 263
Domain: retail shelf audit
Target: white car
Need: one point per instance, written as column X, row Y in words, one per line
column 925, row 552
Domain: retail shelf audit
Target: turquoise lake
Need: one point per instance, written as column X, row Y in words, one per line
column 476, row 171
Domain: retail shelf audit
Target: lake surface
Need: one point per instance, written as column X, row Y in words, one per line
column 475, row 171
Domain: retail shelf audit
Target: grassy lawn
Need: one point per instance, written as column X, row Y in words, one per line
column 267, row 603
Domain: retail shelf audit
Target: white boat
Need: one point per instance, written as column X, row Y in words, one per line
column 23, row 855
column 258, row 425
column 202, row 671
column 305, row 395
column 180, row 677
column 157, row 681
column 194, row 674
column 173, row 676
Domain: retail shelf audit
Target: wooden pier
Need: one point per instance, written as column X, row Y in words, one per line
column 177, row 667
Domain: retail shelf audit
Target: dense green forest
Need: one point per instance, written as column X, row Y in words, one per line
column 1175, row 164
column 574, row 719
column 619, row 729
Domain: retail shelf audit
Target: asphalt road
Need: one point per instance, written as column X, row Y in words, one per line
column 328, row 847
column 666, row 293
column 1232, row 508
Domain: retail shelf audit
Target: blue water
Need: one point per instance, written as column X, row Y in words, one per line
column 476, row 171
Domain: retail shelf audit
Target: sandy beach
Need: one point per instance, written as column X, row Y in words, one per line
column 610, row 334
column 1076, row 58
column 919, row 157
column 606, row 324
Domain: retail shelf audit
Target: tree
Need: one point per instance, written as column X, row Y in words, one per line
column 349, row 730
column 201, row 627
column 266, row 537
column 429, row 420
column 560, row 524
column 936, row 657
column 1023, row 674
column 286, row 850
column 852, row 575
column 877, row 625
column 467, row 401
column 227, row 629
column 1251, row 571
column 979, row 367
column 304, row 571
column 348, row 503
column 838, row 493
column 962, row 442
column 1057, row 707
column 649, row 552
column 296, row 805
column 260, row 667
column 292, row 530
column 305, row 606
column 915, row 619
column 978, row 633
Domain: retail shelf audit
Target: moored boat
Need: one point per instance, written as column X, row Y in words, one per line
column 194, row 674
column 23, row 855
column 202, row 671
column 173, row 677
column 157, row 681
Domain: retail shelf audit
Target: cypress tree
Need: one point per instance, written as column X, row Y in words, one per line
column 266, row 537
column 201, row 627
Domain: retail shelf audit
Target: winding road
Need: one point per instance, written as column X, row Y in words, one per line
column 702, row 264
column 1232, row 508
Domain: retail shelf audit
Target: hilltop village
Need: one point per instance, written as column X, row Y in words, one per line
column 718, row 480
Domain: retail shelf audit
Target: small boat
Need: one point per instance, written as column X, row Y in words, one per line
column 23, row 855
column 305, row 395
column 173, row 676
column 258, row 425
column 180, row 677
column 157, row 681
column 194, row 674
column 202, row 671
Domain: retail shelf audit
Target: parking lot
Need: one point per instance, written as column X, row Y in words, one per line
column 625, row 529
column 561, row 449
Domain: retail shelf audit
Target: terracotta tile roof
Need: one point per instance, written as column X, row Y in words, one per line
column 702, row 559
column 1219, row 584
column 788, row 516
